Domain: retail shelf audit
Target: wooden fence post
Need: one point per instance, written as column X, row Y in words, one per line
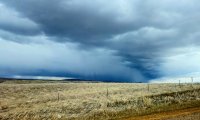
column 107, row 93
column 192, row 81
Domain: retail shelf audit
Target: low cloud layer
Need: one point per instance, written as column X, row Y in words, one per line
column 125, row 40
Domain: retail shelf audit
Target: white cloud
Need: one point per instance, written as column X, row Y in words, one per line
column 181, row 61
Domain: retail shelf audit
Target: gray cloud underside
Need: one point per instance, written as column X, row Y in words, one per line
column 148, row 36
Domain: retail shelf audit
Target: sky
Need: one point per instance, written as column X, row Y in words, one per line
column 121, row 40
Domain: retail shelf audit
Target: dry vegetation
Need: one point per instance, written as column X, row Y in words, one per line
column 92, row 100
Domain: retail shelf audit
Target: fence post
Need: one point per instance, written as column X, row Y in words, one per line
column 107, row 93
column 192, row 81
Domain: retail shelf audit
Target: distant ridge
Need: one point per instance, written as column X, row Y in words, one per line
column 74, row 80
column 2, row 79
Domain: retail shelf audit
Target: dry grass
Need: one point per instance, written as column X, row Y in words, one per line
column 90, row 100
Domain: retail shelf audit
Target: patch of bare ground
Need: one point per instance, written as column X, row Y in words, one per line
column 184, row 114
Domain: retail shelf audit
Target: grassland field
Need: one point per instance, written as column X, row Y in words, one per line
column 25, row 100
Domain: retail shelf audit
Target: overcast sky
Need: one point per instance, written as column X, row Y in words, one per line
column 120, row 40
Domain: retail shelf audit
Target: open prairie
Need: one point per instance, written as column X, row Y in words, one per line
column 55, row 100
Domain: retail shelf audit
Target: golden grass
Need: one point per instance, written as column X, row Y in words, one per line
column 90, row 100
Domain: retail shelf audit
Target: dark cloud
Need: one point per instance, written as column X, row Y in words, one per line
column 80, row 20
column 141, row 36
column 62, row 59
column 13, row 21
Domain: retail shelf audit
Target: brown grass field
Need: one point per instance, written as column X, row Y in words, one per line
column 25, row 100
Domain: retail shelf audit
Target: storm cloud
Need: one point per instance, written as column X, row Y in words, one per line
column 124, row 40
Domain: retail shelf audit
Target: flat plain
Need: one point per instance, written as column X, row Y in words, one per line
column 90, row 101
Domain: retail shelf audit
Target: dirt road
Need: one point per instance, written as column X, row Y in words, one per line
column 185, row 114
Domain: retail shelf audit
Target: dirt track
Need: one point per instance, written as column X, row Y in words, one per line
column 185, row 114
